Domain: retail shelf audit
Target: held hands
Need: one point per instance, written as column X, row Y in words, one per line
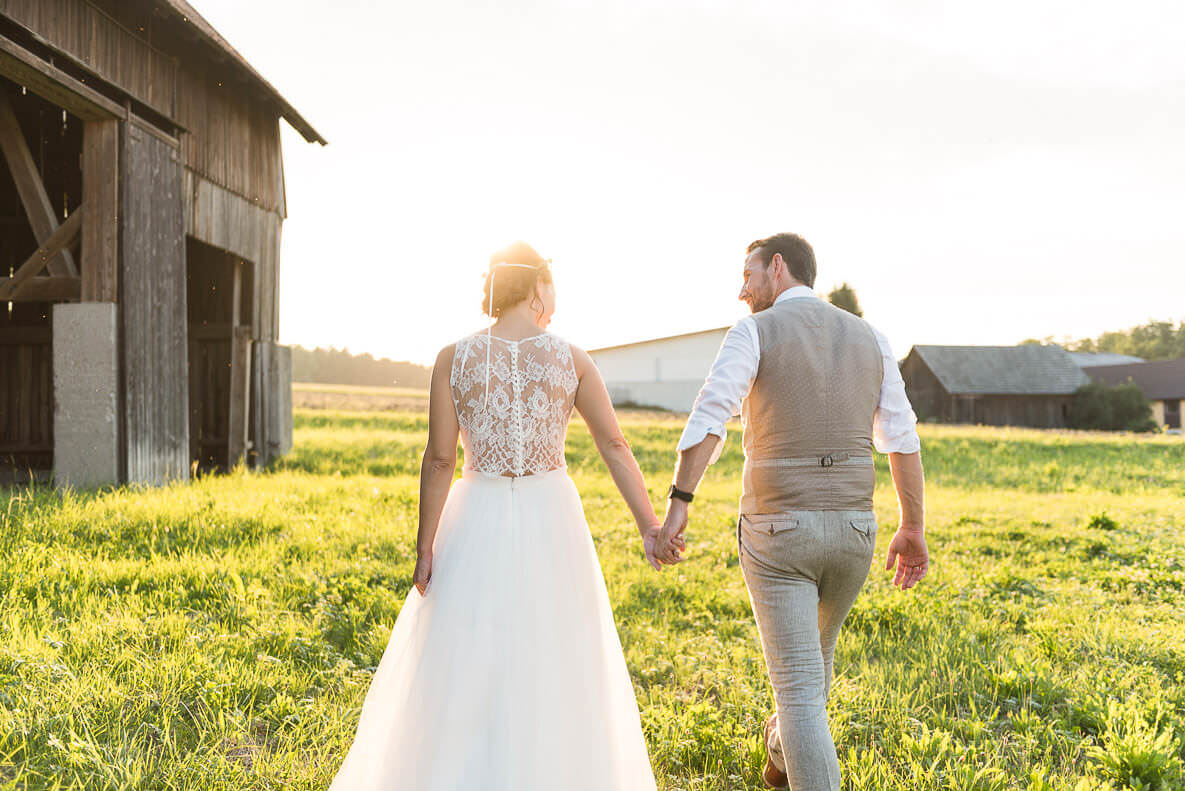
column 908, row 549
column 669, row 543
column 651, row 542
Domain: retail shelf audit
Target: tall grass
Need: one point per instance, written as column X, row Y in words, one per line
column 221, row 634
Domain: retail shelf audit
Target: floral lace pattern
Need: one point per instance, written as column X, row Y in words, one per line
column 520, row 429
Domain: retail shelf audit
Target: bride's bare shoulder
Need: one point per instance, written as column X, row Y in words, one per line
column 581, row 360
column 445, row 356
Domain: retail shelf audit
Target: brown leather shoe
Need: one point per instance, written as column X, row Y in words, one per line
column 772, row 776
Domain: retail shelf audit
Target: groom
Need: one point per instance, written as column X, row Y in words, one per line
column 817, row 388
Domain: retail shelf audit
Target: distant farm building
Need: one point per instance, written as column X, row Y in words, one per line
column 664, row 372
column 1027, row 385
column 1162, row 382
column 141, row 201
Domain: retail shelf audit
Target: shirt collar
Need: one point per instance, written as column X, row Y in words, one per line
column 794, row 292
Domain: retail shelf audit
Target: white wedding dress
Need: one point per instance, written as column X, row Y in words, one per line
column 508, row 675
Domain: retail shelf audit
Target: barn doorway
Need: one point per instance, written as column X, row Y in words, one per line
column 219, row 291
column 40, row 186
column 1172, row 413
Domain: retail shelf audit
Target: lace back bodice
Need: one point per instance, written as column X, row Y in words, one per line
column 532, row 388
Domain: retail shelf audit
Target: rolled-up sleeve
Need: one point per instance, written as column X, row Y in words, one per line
column 728, row 383
column 894, row 429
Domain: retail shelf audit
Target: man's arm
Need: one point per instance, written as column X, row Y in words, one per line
column 689, row 471
column 729, row 381
column 908, row 546
column 895, row 433
column 909, row 481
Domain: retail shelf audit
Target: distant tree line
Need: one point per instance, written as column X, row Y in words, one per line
column 1156, row 340
column 339, row 366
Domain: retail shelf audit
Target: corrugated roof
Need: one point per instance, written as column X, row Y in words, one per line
column 1030, row 369
column 1091, row 359
column 205, row 30
column 1160, row 379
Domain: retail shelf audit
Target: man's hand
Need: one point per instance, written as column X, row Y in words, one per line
column 908, row 549
column 650, row 543
column 670, row 541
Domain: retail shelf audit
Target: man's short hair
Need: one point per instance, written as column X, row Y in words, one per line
column 798, row 255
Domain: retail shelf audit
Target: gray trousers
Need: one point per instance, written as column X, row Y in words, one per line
column 804, row 570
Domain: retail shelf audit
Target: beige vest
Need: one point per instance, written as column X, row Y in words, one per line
column 808, row 417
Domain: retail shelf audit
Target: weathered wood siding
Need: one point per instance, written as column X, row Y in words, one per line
column 929, row 399
column 117, row 51
column 233, row 139
column 26, row 388
column 1036, row 411
column 153, row 309
column 271, row 408
column 225, row 220
column 233, row 129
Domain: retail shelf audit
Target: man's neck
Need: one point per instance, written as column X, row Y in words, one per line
column 788, row 292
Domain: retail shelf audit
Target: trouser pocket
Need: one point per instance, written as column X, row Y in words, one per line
column 864, row 524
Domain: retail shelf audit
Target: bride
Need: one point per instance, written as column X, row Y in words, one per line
column 504, row 670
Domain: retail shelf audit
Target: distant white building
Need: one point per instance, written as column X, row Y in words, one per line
column 663, row 372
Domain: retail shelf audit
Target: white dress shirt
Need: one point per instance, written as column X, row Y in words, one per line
column 894, row 428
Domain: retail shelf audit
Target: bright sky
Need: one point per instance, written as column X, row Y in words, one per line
column 979, row 174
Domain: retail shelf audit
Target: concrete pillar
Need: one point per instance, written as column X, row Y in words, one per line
column 86, row 394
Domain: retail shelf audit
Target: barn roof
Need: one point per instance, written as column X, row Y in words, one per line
column 1091, row 359
column 1029, row 369
column 206, row 31
column 720, row 330
column 1160, row 380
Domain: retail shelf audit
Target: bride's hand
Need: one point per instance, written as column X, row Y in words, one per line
column 650, row 545
column 423, row 573
column 651, row 538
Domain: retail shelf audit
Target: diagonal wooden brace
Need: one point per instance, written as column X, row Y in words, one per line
column 30, row 187
column 63, row 237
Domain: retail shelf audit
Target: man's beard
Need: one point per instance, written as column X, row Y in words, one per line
column 760, row 303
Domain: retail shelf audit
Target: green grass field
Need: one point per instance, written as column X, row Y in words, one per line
column 221, row 634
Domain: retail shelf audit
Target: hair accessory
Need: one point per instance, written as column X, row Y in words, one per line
column 489, row 342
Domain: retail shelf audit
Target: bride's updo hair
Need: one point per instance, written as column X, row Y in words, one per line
column 513, row 284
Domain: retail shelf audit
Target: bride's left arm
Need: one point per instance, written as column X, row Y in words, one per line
column 594, row 405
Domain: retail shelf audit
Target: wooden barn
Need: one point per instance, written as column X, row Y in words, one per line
column 1027, row 385
column 141, row 201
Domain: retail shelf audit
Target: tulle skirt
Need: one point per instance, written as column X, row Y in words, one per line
column 508, row 674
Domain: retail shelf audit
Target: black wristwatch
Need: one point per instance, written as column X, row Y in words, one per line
column 679, row 494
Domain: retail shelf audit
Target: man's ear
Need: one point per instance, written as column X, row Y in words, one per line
column 774, row 263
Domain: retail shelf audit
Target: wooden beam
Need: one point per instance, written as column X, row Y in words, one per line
column 61, row 238
column 100, row 225
column 236, row 294
column 46, row 289
column 240, row 394
column 30, row 187
column 54, row 85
